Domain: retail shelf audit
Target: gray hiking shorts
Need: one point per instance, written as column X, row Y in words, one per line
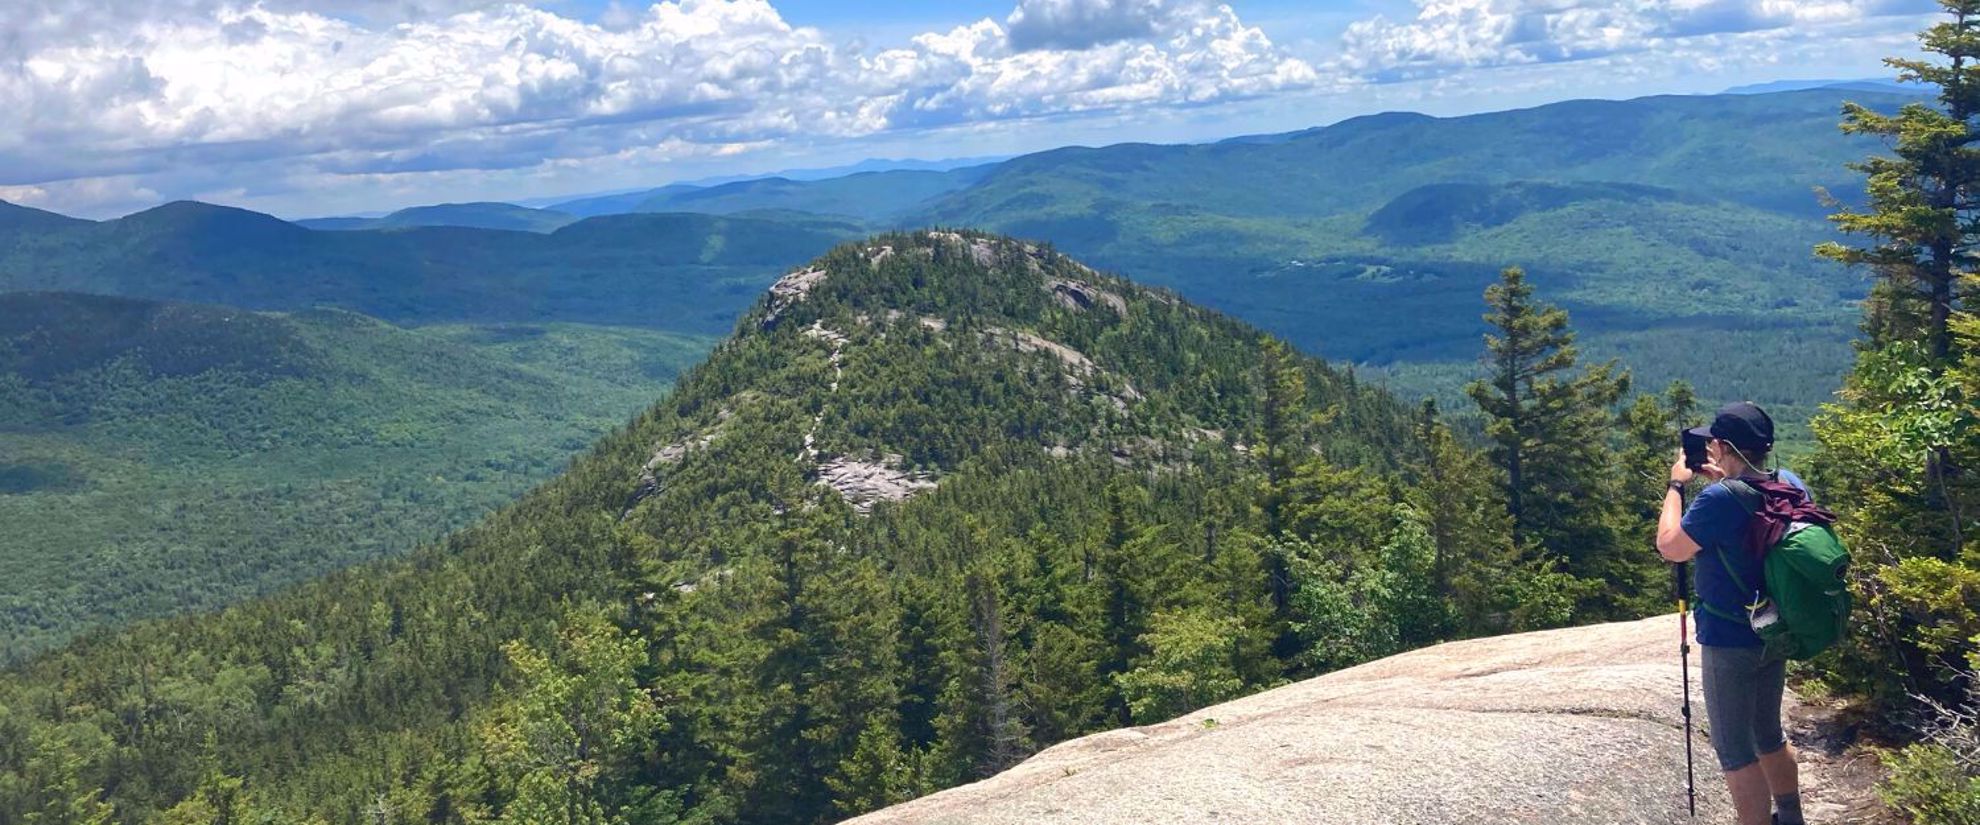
column 1743, row 703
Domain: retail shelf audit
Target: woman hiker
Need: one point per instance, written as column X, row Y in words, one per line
column 1742, row 686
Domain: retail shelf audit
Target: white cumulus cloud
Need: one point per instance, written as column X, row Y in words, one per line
column 152, row 87
column 1446, row 35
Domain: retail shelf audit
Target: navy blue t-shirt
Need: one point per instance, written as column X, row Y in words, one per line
column 1717, row 521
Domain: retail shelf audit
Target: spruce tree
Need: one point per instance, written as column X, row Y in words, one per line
column 1468, row 523
column 830, row 673
column 1281, row 448
column 1924, row 221
column 1897, row 453
column 1003, row 732
column 1550, row 428
column 1924, row 202
column 56, row 788
column 1533, row 345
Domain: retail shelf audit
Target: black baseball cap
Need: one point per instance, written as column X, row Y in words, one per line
column 1744, row 424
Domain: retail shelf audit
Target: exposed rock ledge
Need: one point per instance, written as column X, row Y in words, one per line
column 1566, row 726
column 791, row 289
column 864, row 483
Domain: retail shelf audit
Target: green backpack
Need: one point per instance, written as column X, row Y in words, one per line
column 1807, row 606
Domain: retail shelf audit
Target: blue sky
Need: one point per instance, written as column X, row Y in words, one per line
column 315, row 107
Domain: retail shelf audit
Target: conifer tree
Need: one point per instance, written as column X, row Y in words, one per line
column 1550, row 429
column 1120, row 587
column 829, row 673
column 1924, row 221
column 1898, row 453
column 1649, row 427
column 1924, row 202
column 876, row 774
column 1060, row 688
column 1532, row 345
column 1467, row 520
column 1282, row 432
column 56, row 769
column 1003, row 731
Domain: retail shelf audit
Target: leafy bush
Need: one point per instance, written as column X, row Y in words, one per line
column 1189, row 666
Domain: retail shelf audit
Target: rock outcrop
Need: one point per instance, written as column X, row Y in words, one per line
column 1567, row 726
column 791, row 289
column 1079, row 296
column 865, row 483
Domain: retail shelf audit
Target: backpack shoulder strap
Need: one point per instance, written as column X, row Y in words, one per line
column 1750, row 499
column 1736, row 577
column 1744, row 493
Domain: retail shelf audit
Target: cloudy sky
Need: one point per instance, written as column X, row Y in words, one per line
column 317, row 107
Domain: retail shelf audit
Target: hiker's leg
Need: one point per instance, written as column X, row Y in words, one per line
column 1783, row 776
column 1751, row 801
column 1731, row 700
column 1784, row 782
column 1776, row 755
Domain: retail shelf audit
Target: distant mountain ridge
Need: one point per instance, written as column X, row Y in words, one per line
column 1873, row 84
column 1289, row 231
column 14, row 217
column 682, row 272
column 473, row 215
column 1312, row 233
column 622, row 200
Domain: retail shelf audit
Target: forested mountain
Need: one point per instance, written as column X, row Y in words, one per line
column 943, row 499
column 615, row 204
column 473, row 215
column 1661, row 222
column 160, row 457
column 685, row 273
column 894, row 197
column 17, row 218
column 1690, row 216
column 1874, row 84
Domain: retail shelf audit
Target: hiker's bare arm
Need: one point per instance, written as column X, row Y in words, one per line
column 1672, row 542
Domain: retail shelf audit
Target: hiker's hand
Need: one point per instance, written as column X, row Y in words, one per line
column 1709, row 472
column 1680, row 473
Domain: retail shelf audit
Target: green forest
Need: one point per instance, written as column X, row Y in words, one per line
column 947, row 497
column 218, row 454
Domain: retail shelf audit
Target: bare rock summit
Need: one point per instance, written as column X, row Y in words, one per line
column 1565, row 726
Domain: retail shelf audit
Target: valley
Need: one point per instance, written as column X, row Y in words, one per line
column 159, row 458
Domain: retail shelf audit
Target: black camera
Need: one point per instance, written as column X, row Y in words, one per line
column 1694, row 450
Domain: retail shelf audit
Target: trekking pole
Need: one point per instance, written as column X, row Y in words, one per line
column 1682, row 584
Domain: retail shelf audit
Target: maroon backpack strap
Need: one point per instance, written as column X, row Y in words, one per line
column 1762, row 528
